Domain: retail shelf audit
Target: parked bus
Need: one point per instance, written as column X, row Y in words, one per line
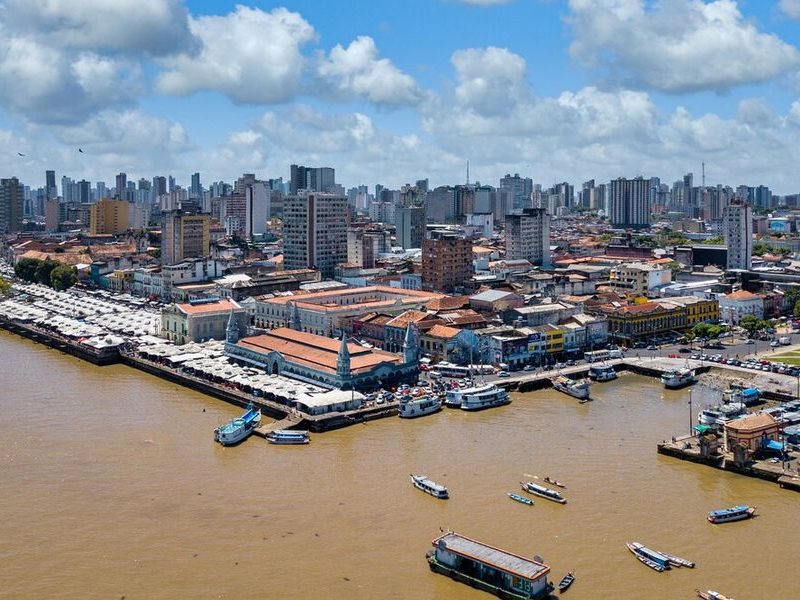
column 450, row 370
column 597, row 355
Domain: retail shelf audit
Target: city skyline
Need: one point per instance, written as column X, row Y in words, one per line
column 551, row 90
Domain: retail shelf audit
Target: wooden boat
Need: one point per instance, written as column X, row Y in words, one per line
column 421, row 482
column 712, row 595
column 565, row 582
column 635, row 549
column 736, row 513
column 544, row 492
column 677, row 561
column 554, row 482
column 519, row 498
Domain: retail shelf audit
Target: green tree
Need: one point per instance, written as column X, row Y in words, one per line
column 26, row 268
column 749, row 323
column 63, row 277
column 44, row 270
column 796, row 310
column 717, row 240
column 5, row 287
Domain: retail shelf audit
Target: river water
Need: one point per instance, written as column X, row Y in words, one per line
column 112, row 486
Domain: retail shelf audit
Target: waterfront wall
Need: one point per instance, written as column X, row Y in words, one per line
column 102, row 356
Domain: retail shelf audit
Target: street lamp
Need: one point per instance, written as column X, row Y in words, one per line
column 690, row 413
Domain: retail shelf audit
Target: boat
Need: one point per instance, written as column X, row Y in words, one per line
column 721, row 414
column 238, row 429
column 565, row 582
column 644, row 559
column 519, row 498
column 602, row 373
column 544, row 492
column 744, row 395
column 554, row 482
column 677, row 378
column 736, row 513
column 677, row 561
column 421, row 482
column 577, row 389
column 288, row 437
column 652, row 555
column 712, row 595
column 452, row 398
column 485, row 396
column 418, row 407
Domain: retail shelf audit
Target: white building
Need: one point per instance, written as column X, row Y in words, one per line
column 629, row 202
column 639, row 278
column 315, row 232
column 528, row 236
column 732, row 307
column 257, row 198
column 737, row 220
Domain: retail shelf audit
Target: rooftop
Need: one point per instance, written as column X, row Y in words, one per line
column 220, row 306
column 741, row 295
column 752, row 423
column 489, row 555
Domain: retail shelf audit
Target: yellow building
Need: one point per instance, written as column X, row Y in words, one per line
column 698, row 310
column 109, row 217
column 553, row 337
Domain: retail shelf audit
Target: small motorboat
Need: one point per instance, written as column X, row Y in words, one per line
column 554, row 482
column 645, row 556
column 519, row 498
column 565, row 582
column 712, row 595
column 736, row 513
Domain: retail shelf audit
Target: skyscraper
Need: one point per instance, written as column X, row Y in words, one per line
column 50, row 184
column 11, row 205
column 315, row 232
column 629, row 203
column 196, row 190
column 528, row 236
column 410, row 224
column 184, row 236
column 122, row 184
column 520, row 189
column 737, row 220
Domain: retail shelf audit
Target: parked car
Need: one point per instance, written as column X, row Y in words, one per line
column 652, row 348
column 684, row 350
column 528, row 368
column 504, row 374
column 774, row 344
column 750, row 341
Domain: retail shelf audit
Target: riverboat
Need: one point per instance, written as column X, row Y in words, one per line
column 486, row 396
column 489, row 569
column 576, row 389
column 736, row 513
column 544, row 492
column 721, row 414
column 712, row 595
column 602, row 373
column 677, row 378
column 521, row 499
column 419, row 407
column 744, row 395
column 288, row 437
column 657, row 562
column 565, row 582
column 421, row 482
column 238, row 429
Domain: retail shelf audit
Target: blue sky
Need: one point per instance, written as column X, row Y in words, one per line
column 393, row 92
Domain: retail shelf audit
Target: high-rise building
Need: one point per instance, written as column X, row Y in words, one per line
column 51, row 215
column 410, row 224
column 159, row 186
column 50, row 184
column 257, row 207
column 122, row 184
column 629, row 203
column 520, row 189
column 315, row 232
column 11, row 205
column 737, row 221
column 109, row 217
column 196, row 190
column 446, row 263
column 528, row 236
column 184, row 236
column 315, row 179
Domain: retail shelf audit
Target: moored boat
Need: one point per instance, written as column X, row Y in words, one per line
column 735, row 513
column 288, row 437
column 519, row 498
column 554, row 482
column 565, row 582
column 485, row 396
column 712, row 595
column 677, row 561
column 421, row 482
column 677, row 378
column 643, row 558
column 602, row 373
column 577, row 389
column 238, row 429
column 544, row 492
column 721, row 414
column 418, row 407
column 453, row 398
column 744, row 395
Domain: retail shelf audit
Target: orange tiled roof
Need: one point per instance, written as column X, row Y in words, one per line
column 443, row 331
column 741, row 295
column 223, row 305
column 410, row 316
column 447, row 303
column 751, row 423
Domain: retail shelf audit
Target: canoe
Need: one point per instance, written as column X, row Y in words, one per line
column 711, row 595
column 677, row 561
column 519, row 498
column 554, row 482
column 565, row 582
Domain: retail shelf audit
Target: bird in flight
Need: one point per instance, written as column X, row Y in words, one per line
column 20, row 154
column 80, row 150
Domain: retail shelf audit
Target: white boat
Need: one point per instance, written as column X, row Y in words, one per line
column 747, row 396
column 736, row 513
column 677, row 378
column 418, row 407
column 421, row 482
column 485, row 396
column 721, row 414
column 236, row 430
column 288, row 437
column 453, row 398
column 577, row 389
column 544, row 492
column 602, row 373
column 712, row 595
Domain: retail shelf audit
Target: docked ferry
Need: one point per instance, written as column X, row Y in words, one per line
column 486, row 396
column 238, row 429
column 719, row 415
column 726, row 515
column 419, row 407
column 542, row 491
column 602, row 373
column 677, row 378
column 288, row 437
column 421, row 482
column 576, row 389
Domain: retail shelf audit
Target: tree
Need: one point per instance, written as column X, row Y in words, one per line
column 5, row 287
column 749, row 323
column 796, row 310
column 675, row 267
column 43, row 271
column 717, row 240
column 26, row 268
column 63, row 277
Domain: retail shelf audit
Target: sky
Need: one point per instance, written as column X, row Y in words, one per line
column 391, row 92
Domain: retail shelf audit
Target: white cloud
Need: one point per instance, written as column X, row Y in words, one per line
column 150, row 26
column 359, row 71
column 791, row 8
column 490, row 80
column 252, row 56
column 676, row 46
